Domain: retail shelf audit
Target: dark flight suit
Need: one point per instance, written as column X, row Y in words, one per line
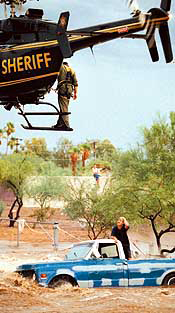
column 67, row 83
column 121, row 234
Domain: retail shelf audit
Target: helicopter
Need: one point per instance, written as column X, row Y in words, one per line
column 32, row 50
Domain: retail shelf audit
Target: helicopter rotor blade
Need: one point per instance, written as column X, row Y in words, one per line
column 151, row 43
column 165, row 5
column 5, row 10
column 62, row 36
column 133, row 4
column 166, row 42
column 163, row 14
column 164, row 33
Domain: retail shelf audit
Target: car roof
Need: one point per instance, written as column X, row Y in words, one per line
column 103, row 240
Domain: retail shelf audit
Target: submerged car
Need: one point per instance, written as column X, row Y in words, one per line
column 101, row 263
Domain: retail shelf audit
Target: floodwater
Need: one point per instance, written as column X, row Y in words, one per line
column 20, row 295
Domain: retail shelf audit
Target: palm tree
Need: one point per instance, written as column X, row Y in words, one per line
column 14, row 143
column 8, row 129
column 74, row 152
column 1, row 136
column 85, row 151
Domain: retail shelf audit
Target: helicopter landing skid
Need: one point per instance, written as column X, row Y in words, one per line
column 46, row 128
column 57, row 112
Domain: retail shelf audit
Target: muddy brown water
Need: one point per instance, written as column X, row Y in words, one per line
column 21, row 295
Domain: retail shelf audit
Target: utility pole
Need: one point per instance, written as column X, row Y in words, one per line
column 94, row 148
column 17, row 144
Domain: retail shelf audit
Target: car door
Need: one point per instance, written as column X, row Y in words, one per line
column 107, row 272
column 148, row 272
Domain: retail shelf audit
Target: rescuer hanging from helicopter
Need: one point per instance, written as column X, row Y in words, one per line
column 67, row 87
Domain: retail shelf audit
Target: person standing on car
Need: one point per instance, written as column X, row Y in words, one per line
column 119, row 232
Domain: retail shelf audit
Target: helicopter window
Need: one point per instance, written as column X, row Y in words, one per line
column 17, row 37
column 43, row 36
column 29, row 37
column 4, row 37
column 30, row 26
column 23, row 31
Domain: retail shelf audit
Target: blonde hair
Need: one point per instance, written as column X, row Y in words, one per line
column 122, row 218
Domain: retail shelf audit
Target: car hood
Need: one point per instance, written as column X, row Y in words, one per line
column 56, row 264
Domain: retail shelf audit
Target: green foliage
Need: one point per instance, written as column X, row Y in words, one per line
column 84, row 202
column 14, row 171
column 74, row 149
column 159, row 144
column 43, row 213
column 6, row 134
column 105, row 150
column 84, row 146
column 145, row 181
column 2, row 206
column 60, row 154
column 36, row 147
column 49, row 168
column 43, row 190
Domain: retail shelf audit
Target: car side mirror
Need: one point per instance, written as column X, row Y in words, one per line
column 104, row 255
column 93, row 256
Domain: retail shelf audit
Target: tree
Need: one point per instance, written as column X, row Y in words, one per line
column 159, row 146
column 159, row 143
column 61, row 155
column 43, row 190
column 84, row 202
column 150, row 202
column 2, row 205
column 1, row 136
column 49, row 168
column 15, row 169
column 14, row 144
column 105, row 150
column 6, row 133
column 145, row 177
column 37, row 146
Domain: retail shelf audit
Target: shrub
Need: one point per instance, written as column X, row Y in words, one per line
column 2, row 205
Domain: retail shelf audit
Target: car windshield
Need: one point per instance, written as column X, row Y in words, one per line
column 78, row 251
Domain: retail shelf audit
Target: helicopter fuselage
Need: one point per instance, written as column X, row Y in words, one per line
column 30, row 59
column 31, row 55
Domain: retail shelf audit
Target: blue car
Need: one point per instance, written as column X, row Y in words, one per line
column 101, row 263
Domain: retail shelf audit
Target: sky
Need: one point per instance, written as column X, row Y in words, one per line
column 120, row 89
